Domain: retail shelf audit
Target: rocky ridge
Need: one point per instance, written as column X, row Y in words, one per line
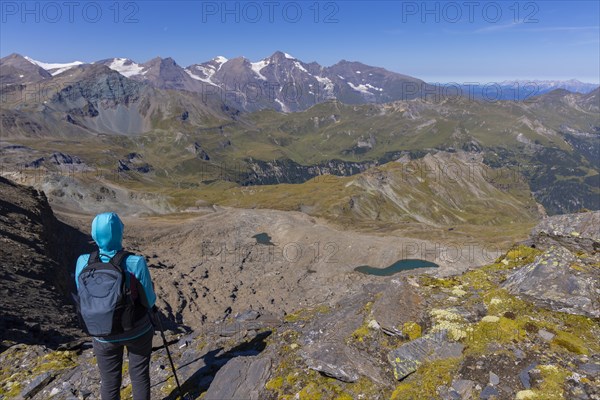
column 480, row 334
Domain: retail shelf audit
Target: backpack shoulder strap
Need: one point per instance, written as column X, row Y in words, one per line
column 94, row 257
column 118, row 259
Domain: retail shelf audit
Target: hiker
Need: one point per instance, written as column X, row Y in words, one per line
column 115, row 314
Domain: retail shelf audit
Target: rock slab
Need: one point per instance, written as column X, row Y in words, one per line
column 240, row 378
column 406, row 359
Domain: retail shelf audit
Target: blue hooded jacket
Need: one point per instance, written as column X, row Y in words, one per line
column 107, row 232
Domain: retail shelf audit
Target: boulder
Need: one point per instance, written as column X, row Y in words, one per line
column 398, row 304
column 564, row 288
column 240, row 378
column 334, row 360
column 406, row 359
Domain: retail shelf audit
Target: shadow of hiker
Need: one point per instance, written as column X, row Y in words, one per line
column 199, row 381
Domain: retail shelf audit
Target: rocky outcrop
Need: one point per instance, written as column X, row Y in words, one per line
column 565, row 277
column 392, row 318
column 240, row 378
column 517, row 327
column 325, row 341
column 38, row 255
column 567, row 286
column 134, row 162
column 198, row 151
column 288, row 171
column 406, row 359
column 577, row 232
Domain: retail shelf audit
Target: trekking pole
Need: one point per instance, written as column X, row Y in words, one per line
column 162, row 333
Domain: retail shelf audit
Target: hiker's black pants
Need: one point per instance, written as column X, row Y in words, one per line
column 110, row 362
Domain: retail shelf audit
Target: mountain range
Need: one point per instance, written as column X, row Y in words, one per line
column 282, row 82
column 279, row 82
column 188, row 127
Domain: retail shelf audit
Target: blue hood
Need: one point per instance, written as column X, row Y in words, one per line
column 107, row 232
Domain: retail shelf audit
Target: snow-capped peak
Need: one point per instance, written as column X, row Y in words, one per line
column 220, row 59
column 289, row 56
column 126, row 67
column 54, row 68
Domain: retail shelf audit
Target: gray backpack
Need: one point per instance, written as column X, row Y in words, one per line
column 105, row 303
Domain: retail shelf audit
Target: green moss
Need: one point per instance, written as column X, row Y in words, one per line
column 292, row 380
column 412, row 330
column 481, row 334
column 361, row 333
column 10, row 389
column 477, row 279
column 126, row 393
column 499, row 301
column 310, row 392
column 169, row 385
column 570, row 342
column 427, row 280
column 424, row 382
column 522, row 254
column 553, row 380
column 305, row 314
column 275, row 384
column 57, row 360
column 125, row 368
column 11, row 381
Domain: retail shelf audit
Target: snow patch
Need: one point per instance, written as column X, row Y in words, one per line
column 21, row 76
column 374, row 87
column 220, row 59
column 54, row 68
column 126, row 67
column 341, row 77
column 289, row 56
column 358, row 72
column 300, row 67
column 325, row 81
column 257, row 66
column 360, row 88
column 364, row 88
column 198, row 78
column 207, row 71
column 284, row 108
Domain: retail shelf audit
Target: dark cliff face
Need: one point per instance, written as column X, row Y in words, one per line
column 37, row 254
column 288, row 171
column 261, row 172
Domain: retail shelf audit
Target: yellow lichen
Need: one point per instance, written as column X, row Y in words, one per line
column 445, row 320
column 306, row 314
column 490, row 318
column 525, row 395
column 458, row 291
column 412, row 330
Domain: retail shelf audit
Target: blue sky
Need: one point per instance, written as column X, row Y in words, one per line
column 440, row 42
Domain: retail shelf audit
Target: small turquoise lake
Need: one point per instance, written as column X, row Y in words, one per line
column 398, row 266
